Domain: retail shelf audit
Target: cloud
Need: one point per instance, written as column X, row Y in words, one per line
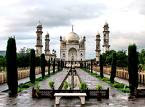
column 51, row 16
column 125, row 18
column 120, row 41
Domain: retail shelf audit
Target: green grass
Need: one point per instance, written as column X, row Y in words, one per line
column 120, row 86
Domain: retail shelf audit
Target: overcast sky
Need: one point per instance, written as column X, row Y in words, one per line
column 126, row 20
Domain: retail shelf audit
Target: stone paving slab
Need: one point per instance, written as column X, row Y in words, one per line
column 57, row 78
column 90, row 80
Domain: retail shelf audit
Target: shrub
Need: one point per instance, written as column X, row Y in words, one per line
column 118, row 85
column 39, row 79
column 98, row 87
column 25, row 86
column 105, row 79
column 125, row 90
column 11, row 64
column 83, row 86
column 51, row 84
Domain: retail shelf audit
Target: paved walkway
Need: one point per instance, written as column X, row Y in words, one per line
column 57, row 78
column 89, row 80
column 24, row 99
column 116, row 98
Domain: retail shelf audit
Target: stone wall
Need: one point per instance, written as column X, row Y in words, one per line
column 122, row 73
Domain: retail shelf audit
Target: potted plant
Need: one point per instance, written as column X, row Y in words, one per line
column 51, row 84
column 65, row 85
column 99, row 88
column 83, row 86
column 37, row 87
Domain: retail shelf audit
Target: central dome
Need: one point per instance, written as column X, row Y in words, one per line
column 72, row 37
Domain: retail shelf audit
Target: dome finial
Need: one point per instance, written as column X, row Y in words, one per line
column 39, row 22
column 39, row 25
column 72, row 28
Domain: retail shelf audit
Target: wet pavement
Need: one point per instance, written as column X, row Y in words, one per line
column 117, row 98
column 4, row 87
column 57, row 79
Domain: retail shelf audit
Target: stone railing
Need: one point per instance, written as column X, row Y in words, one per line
column 21, row 74
column 122, row 73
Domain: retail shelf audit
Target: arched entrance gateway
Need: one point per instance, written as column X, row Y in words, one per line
column 72, row 54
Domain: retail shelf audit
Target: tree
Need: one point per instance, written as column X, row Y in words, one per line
column 107, row 57
column 85, row 65
column 58, row 65
column 11, row 65
column 54, row 65
column 2, row 63
column 43, row 64
column 49, row 64
column 142, row 57
column 38, row 58
column 91, row 66
column 113, row 68
column 32, row 65
column 121, row 59
column 132, row 68
column 23, row 57
column 101, row 67
column 62, row 64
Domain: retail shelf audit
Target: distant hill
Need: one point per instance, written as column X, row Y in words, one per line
column 2, row 53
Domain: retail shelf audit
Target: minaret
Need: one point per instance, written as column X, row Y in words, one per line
column 106, row 37
column 98, row 47
column 39, row 40
column 47, row 40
